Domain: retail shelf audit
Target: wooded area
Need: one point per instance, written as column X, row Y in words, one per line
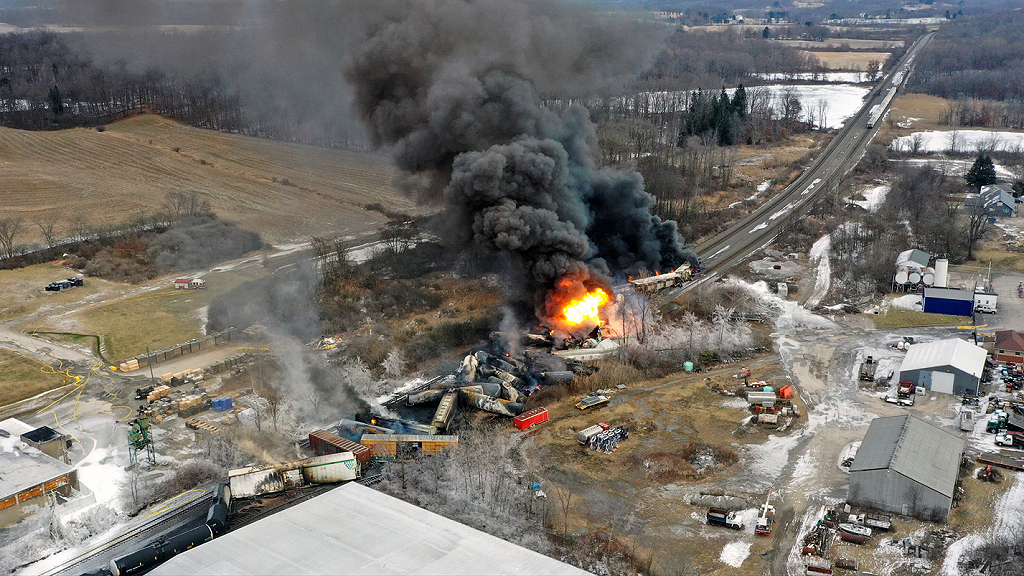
column 975, row 58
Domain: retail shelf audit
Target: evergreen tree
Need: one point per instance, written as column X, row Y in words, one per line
column 739, row 101
column 982, row 173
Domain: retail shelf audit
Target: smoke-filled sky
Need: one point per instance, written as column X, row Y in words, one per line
column 452, row 88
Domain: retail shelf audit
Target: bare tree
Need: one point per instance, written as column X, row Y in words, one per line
column 565, row 504
column 47, row 224
column 9, row 229
column 977, row 225
column 954, row 139
column 78, row 229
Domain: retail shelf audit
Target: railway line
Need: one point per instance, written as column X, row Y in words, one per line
column 730, row 247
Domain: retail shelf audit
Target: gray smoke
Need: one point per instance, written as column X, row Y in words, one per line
column 453, row 87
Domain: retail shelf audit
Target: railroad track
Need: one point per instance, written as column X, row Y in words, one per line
column 736, row 243
column 156, row 524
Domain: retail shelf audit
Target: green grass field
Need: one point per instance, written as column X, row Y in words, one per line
column 159, row 318
column 898, row 318
column 24, row 377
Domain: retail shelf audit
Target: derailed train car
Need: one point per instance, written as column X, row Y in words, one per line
column 269, row 479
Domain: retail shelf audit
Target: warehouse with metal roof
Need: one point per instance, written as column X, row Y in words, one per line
column 907, row 466
column 358, row 530
column 951, row 366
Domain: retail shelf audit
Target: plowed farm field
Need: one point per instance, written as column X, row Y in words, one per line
column 285, row 191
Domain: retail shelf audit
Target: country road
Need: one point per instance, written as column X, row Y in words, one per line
column 730, row 247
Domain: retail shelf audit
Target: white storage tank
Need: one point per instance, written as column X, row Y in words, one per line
column 941, row 273
column 928, row 276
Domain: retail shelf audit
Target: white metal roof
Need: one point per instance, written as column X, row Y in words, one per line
column 21, row 465
column 953, row 352
column 358, row 530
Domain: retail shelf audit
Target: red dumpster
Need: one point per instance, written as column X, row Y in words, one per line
column 530, row 418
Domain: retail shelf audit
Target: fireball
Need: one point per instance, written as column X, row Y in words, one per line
column 586, row 308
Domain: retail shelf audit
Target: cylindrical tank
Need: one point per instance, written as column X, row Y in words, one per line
column 495, row 405
column 901, row 276
column 941, row 273
column 914, row 277
column 928, row 276
column 425, row 396
column 557, row 376
column 854, row 538
column 688, row 366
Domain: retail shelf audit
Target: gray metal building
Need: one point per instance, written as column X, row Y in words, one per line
column 907, row 466
column 951, row 366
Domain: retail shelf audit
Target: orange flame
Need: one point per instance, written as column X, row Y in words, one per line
column 586, row 308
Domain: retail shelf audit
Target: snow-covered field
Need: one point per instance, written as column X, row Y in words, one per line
column 960, row 141
column 837, row 101
column 838, row 77
column 955, row 167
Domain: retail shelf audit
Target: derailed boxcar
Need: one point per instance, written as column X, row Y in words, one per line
column 323, row 442
column 331, row 468
column 401, row 446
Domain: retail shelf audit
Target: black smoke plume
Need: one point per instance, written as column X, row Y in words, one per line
column 453, row 87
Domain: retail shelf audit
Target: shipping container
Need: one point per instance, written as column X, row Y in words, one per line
column 530, row 418
column 322, row 442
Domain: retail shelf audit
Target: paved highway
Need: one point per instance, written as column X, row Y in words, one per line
column 730, row 247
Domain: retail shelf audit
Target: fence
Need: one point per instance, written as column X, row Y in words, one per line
column 178, row 350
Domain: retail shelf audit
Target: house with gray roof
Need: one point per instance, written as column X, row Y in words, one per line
column 997, row 199
column 906, row 466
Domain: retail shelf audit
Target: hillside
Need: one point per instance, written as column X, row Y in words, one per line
column 284, row 191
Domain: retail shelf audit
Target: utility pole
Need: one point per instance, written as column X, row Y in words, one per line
column 150, row 362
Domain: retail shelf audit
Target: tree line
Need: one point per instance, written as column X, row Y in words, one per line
column 976, row 57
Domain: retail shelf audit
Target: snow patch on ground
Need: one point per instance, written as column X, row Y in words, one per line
column 873, row 197
column 735, row 553
column 823, row 279
column 769, row 459
column 103, row 472
column 1007, row 522
column 736, row 403
column 966, row 141
column 907, row 302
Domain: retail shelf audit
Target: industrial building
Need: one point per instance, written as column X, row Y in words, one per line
column 907, row 466
column 358, row 530
column 948, row 301
column 29, row 477
column 951, row 366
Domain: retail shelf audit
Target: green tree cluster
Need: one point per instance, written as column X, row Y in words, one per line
column 715, row 119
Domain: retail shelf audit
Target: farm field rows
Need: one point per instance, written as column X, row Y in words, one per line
column 285, row 191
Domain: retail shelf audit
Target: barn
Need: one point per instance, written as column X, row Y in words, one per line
column 950, row 366
column 354, row 529
column 906, row 466
column 948, row 301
